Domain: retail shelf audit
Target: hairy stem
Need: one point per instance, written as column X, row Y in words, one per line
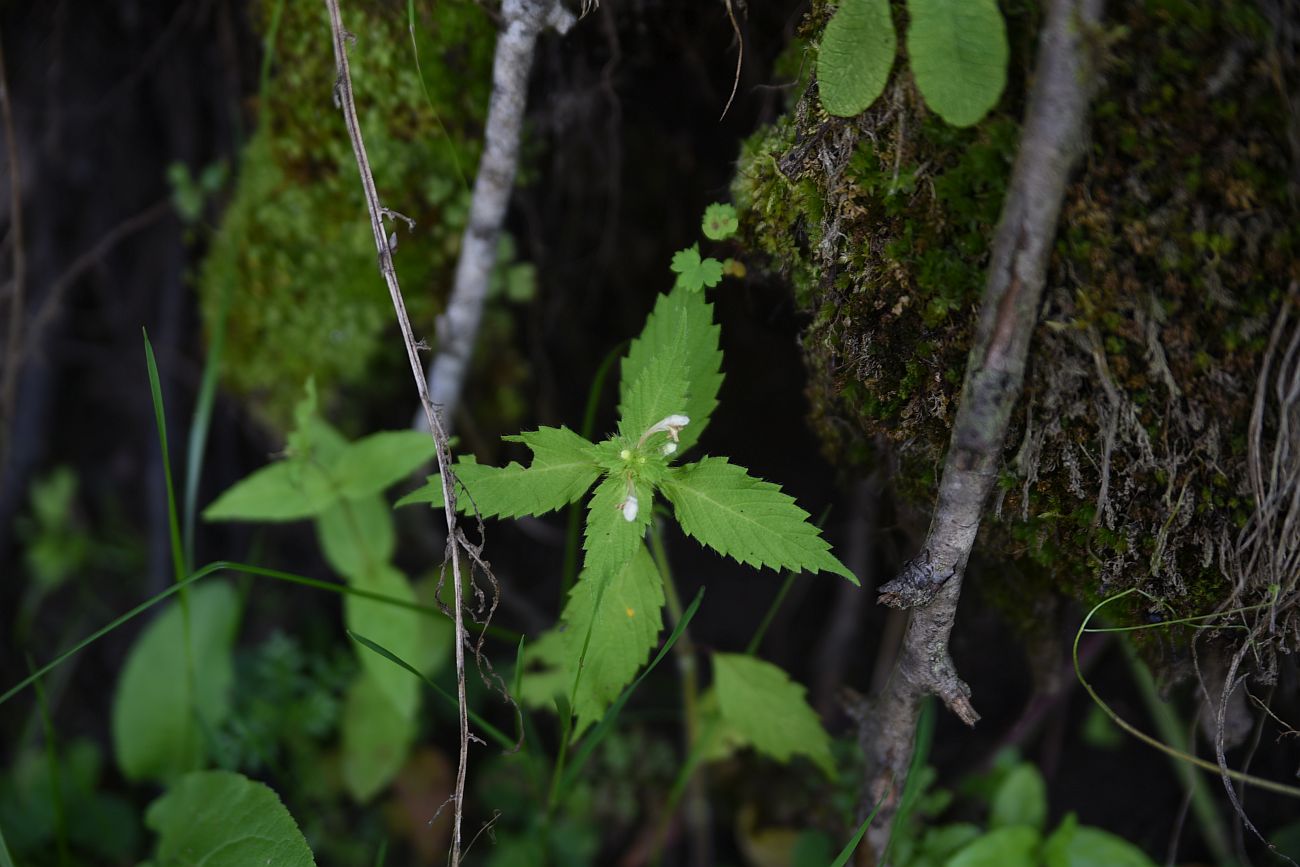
column 522, row 21
column 930, row 584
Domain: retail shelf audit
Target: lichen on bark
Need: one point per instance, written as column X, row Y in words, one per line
column 1127, row 463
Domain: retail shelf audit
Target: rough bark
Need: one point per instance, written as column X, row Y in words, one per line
column 522, row 21
column 930, row 583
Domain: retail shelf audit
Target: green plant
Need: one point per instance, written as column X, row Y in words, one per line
column 1014, row 797
column 667, row 393
column 957, row 49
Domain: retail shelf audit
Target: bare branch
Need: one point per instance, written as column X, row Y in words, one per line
column 522, row 21
column 344, row 98
column 931, row 582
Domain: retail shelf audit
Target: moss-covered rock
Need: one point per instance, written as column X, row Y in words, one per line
column 1128, row 462
column 294, row 256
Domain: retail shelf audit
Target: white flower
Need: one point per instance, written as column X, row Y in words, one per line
column 629, row 508
column 671, row 425
column 669, row 448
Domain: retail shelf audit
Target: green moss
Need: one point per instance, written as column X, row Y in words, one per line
column 295, row 249
column 1126, row 462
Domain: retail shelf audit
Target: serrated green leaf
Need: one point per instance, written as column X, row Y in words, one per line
column 747, row 519
column 156, row 734
column 761, row 703
column 287, row 490
column 720, row 222
column 398, row 628
column 624, row 630
column 611, row 540
column 223, row 819
column 370, row 465
column 563, row 468
column 694, row 273
column 958, row 53
column 1021, row 799
column 376, row 737
column 673, row 367
column 357, row 534
column 857, row 51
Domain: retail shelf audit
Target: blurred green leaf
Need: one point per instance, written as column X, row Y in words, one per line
column 357, row 534
column 1073, row 845
column 373, row 463
column 156, row 733
column 1021, row 799
column 397, row 627
column 1002, row 847
column 694, row 273
column 222, row 819
column 376, row 736
column 287, row 490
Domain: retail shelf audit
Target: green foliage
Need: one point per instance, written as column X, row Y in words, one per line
column 222, row 819
column 857, row 51
column 376, row 736
column 760, row 703
column 747, row 519
column 958, row 52
column 174, row 685
column 1020, row 800
column 616, row 620
column 719, row 222
column 339, row 484
column 55, row 546
column 563, row 468
column 190, row 193
column 106, row 827
column 694, row 273
column 1073, row 845
column 673, row 366
column 1017, row 803
column 667, row 393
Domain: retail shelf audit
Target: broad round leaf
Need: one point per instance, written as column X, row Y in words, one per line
column 156, row 733
column 958, row 51
column 222, row 819
column 856, row 54
column 1021, row 799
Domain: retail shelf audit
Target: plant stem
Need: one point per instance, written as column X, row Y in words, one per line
column 697, row 805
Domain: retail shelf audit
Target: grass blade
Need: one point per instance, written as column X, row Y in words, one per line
column 847, row 852
column 241, row 568
column 6, row 860
column 155, row 390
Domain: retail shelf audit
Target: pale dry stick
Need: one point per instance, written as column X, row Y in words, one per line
column 930, row 584
column 344, row 98
column 13, row 343
column 522, row 21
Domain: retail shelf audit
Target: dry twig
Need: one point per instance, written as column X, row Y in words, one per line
column 931, row 583
column 378, row 213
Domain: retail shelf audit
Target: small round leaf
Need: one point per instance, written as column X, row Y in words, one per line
column 857, row 52
column 958, row 51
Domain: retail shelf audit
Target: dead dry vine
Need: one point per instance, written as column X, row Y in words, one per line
column 378, row 213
